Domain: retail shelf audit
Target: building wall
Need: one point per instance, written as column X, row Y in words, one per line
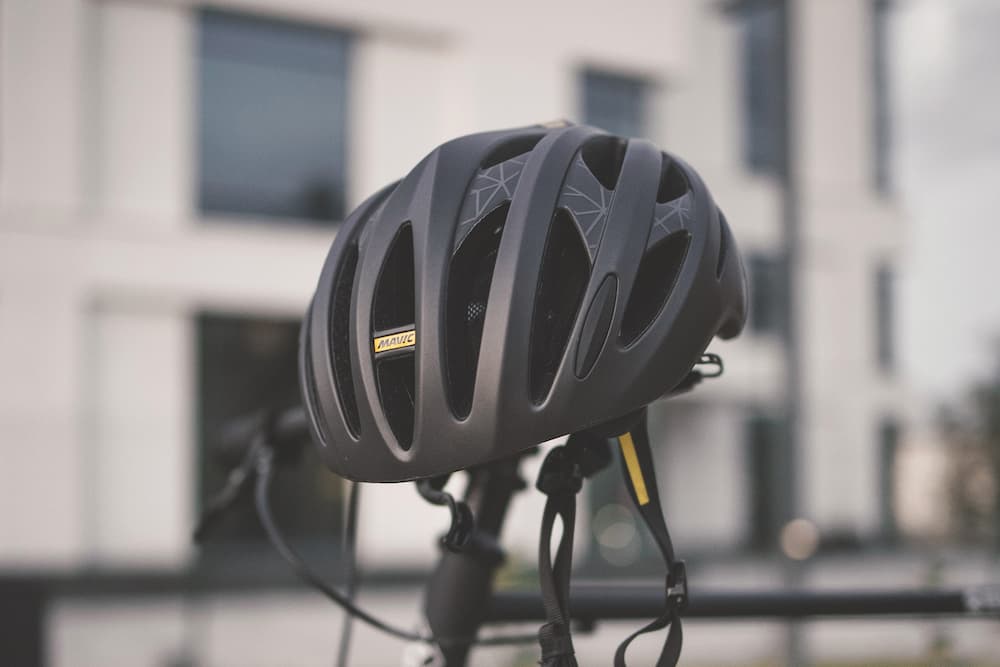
column 846, row 229
column 105, row 259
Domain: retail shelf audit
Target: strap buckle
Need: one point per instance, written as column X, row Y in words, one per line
column 560, row 474
column 463, row 523
column 677, row 586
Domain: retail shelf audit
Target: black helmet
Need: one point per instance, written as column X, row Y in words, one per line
column 515, row 286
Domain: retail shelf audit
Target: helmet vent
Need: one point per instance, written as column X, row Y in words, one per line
column 393, row 308
column 469, row 282
column 657, row 275
column 509, row 149
column 604, row 155
column 340, row 320
column 673, row 185
column 561, row 284
column 723, row 244
column 393, row 304
column 396, row 390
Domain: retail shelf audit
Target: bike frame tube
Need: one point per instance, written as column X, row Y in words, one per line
column 459, row 591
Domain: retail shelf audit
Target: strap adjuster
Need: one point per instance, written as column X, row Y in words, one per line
column 560, row 474
column 677, row 586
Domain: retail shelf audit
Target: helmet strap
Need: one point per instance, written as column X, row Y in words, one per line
column 640, row 480
column 560, row 479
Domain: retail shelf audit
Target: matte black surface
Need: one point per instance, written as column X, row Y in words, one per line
column 612, row 190
column 23, row 607
column 459, row 590
column 595, row 326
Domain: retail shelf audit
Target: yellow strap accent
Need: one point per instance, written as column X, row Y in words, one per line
column 634, row 471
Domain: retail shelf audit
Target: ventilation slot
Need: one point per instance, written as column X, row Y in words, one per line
column 340, row 320
column 393, row 311
column 509, row 149
column 396, row 384
column 604, row 156
column 469, row 282
column 673, row 185
column 393, row 305
column 561, row 284
column 723, row 244
column 654, row 281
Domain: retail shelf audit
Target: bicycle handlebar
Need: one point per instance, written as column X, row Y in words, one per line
column 286, row 430
column 592, row 602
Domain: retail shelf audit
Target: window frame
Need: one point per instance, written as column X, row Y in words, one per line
column 759, row 64
column 337, row 172
column 885, row 317
column 238, row 546
column 881, row 112
column 641, row 88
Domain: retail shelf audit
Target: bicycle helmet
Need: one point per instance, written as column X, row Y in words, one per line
column 515, row 286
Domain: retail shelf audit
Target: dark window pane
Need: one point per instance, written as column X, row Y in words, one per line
column 888, row 443
column 246, row 365
column 769, row 479
column 620, row 543
column 885, row 318
column 767, row 294
column 881, row 102
column 615, row 103
column 762, row 62
column 272, row 118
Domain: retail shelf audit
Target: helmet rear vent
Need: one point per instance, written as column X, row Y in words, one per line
column 655, row 279
column 469, row 281
column 340, row 320
column 562, row 282
column 604, row 155
column 673, row 185
column 509, row 149
column 393, row 310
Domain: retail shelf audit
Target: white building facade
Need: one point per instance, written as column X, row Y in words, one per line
column 123, row 242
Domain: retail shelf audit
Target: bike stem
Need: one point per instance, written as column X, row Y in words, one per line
column 460, row 591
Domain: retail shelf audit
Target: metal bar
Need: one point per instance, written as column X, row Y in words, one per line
column 462, row 583
column 595, row 602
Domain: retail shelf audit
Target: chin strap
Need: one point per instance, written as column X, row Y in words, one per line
column 560, row 479
column 640, row 479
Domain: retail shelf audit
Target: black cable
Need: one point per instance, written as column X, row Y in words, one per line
column 229, row 493
column 262, row 487
column 349, row 547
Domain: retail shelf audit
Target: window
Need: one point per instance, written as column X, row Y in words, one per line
column 881, row 104
column 764, row 78
column 888, row 444
column 767, row 294
column 621, row 545
column 245, row 365
column 615, row 103
column 885, row 318
column 272, row 118
column 769, row 474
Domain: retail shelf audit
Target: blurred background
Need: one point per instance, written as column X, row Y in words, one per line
column 172, row 173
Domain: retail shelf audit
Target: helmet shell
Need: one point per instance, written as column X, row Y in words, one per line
column 515, row 286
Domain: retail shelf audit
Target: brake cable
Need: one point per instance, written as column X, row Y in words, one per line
column 349, row 541
column 258, row 463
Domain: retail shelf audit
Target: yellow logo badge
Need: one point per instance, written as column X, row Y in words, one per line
column 395, row 341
